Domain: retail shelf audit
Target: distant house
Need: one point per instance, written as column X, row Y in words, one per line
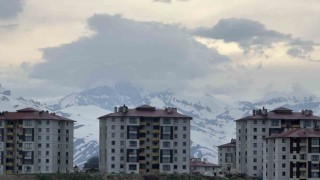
column 197, row 166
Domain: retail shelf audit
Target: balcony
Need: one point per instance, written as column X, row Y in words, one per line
column 155, row 146
column 9, row 164
column 155, row 154
column 9, row 148
column 155, row 171
column 156, row 131
column 10, row 141
column 142, row 161
column 156, row 123
column 9, row 156
column 9, row 172
column 296, row 126
column 9, row 126
column 142, row 131
column 155, row 139
column 142, row 138
column 20, row 156
column 9, row 133
column 155, row 161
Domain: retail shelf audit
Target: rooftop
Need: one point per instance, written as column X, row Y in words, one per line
column 196, row 162
column 295, row 133
column 145, row 111
column 281, row 113
column 31, row 114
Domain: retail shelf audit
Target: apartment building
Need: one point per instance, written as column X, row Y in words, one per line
column 33, row 141
column 293, row 154
column 251, row 131
column 227, row 156
column 144, row 140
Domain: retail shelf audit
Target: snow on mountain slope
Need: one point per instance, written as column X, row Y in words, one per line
column 86, row 132
column 212, row 124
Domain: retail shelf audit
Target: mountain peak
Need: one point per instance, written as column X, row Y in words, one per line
column 4, row 91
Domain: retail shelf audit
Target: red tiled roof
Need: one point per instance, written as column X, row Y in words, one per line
column 282, row 113
column 145, row 111
column 202, row 164
column 31, row 114
column 301, row 132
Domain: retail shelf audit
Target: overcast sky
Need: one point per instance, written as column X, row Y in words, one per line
column 238, row 49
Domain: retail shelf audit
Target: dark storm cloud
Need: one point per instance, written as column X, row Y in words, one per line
column 149, row 53
column 254, row 36
column 10, row 8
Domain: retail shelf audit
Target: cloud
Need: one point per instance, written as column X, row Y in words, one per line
column 152, row 54
column 254, row 36
column 10, row 8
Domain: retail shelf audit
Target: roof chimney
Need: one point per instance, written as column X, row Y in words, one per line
column 115, row 109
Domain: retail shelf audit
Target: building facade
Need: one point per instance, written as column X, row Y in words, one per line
column 251, row 131
column 293, row 154
column 33, row 141
column 144, row 140
column 227, row 156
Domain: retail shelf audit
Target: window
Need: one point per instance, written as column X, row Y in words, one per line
column 47, row 130
column 294, row 157
column 39, row 145
column 166, row 144
column 112, row 158
column 166, row 129
column 283, row 140
column 184, row 167
column 28, row 130
column 184, row 151
column 283, row 156
column 254, row 129
column 283, row 165
column 113, row 127
column 254, row 121
column 47, row 153
column 121, row 143
column 175, row 135
column 121, row 166
column 121, row 135
column 122, row 127
column 314, row 141
column 113, row 142
column 113, row 135
column 307, row 124
column 39, row 153
column 27, row 123
column 263, row 129
column 254, row 159
column 132, row 120
column 27, row 145
column 39, row 129
column 254, row 167
column 274, row 123
column 133, row 143
column 254, row 152
column 184, row 136
column 112, row 165
column 283, row 148
column 28, row 138
column 283, row 173
column 47, row 161
column 112, row 150
column 39, row 138
column 176, row 128
column 184, row 143
column 39, row 160
column 166, row 159
column 166, row 167
column 255, row 145
column 166, row 121
column 254, row 137
column 48, row 122
column 48, row 145
column 184, row 128
column 132, row 167
column 314, row 157
column 48, row 138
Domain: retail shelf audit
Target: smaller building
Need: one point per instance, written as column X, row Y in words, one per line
column 197, row 166
column 227, row 156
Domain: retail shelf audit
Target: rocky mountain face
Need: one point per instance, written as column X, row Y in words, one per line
column 212, row 124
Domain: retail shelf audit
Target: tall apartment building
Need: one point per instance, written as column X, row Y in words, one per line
column 251, row 131
column 227, row 156
column 293, row 154
column 144, row 140
column 34, row 141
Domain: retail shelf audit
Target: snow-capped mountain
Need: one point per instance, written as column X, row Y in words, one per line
column 212, row 124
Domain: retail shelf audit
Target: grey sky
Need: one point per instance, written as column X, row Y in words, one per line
column 233, row 48
column 10, row 8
